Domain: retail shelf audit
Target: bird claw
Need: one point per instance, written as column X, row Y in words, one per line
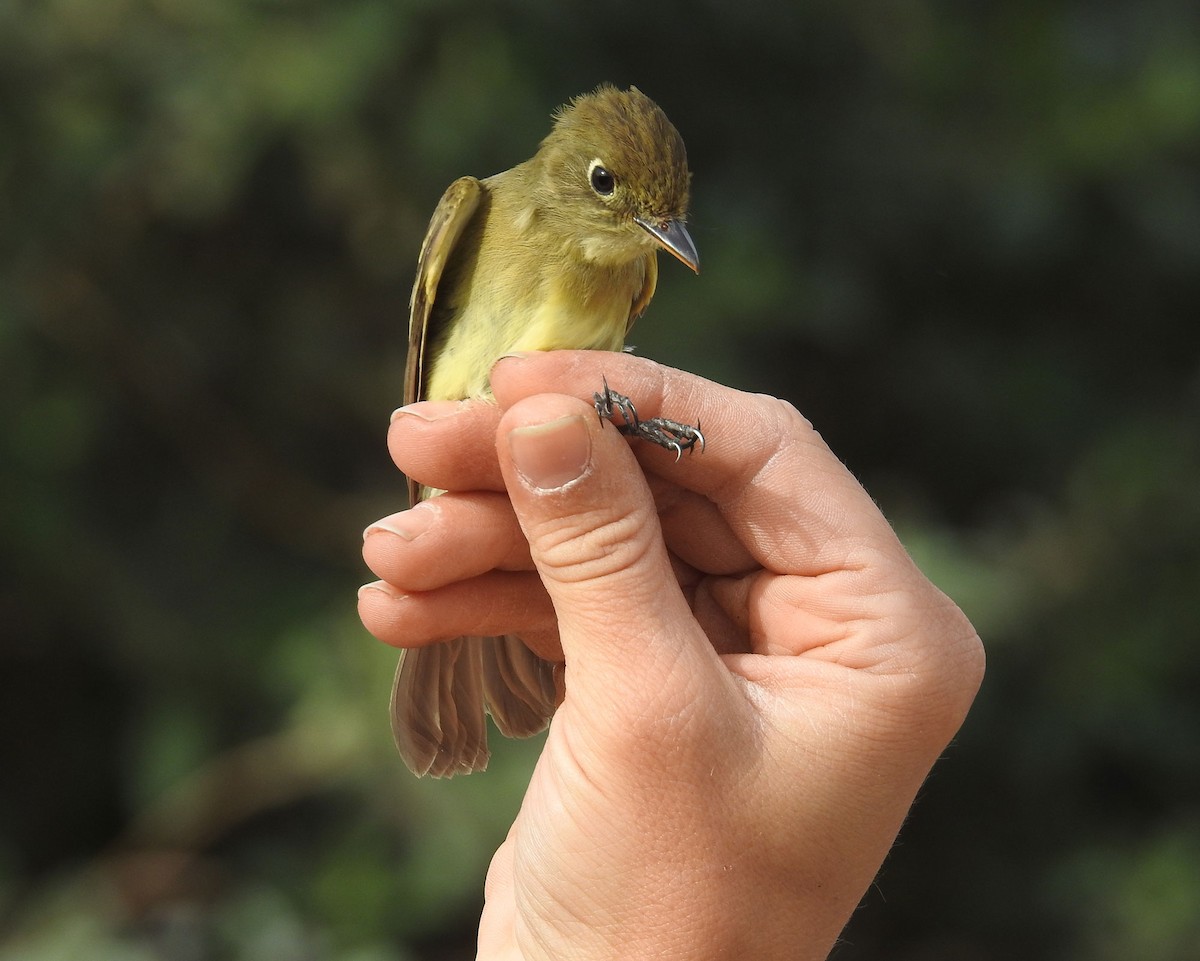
column 670, row 434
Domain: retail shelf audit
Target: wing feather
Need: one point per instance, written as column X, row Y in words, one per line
column 646, row 294
column 454, row 211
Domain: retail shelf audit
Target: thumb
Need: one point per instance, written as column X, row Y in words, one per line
column 593, row 531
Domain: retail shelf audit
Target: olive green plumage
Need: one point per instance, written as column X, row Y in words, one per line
column 557, row 252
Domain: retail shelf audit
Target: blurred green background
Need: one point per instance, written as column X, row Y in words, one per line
column 963, row 238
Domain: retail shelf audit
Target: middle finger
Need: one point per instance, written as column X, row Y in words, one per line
column 445, row 539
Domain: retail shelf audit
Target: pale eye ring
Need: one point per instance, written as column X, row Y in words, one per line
column 602, row 181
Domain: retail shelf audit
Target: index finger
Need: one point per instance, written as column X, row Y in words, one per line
column 795, row 506
column 431, row 442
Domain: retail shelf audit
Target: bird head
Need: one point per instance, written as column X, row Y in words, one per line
column 617, row 172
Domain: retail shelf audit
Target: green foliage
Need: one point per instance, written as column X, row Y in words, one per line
column 961, row 238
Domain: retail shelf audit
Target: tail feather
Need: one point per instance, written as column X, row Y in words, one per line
column 440, row 693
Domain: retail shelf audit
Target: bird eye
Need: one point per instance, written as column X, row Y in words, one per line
column 602, row 181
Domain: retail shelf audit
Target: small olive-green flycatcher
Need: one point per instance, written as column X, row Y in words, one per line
column 557, row 253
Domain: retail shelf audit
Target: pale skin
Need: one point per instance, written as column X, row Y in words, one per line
column 758, row 678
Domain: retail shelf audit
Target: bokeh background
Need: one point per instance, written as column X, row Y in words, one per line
column 964, row 238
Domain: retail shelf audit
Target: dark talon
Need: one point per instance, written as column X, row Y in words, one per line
column 658, row 430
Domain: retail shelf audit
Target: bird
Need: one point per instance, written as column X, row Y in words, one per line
column 558, row 252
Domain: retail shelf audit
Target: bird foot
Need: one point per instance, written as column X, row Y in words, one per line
column 658, row 430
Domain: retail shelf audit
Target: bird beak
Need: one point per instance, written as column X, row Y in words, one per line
column 675, row 238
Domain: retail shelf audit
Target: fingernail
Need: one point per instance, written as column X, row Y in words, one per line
column 550, row 456
column 429, row 410
column 380, row 586
column 512, row 355
column 409, row 524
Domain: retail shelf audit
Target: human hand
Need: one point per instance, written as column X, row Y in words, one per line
column 758, row 677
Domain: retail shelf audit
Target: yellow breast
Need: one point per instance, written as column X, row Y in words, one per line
column 584, row 309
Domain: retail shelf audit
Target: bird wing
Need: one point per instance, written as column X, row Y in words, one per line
column 454, row 211
column 440, row 691
column 642, row 300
